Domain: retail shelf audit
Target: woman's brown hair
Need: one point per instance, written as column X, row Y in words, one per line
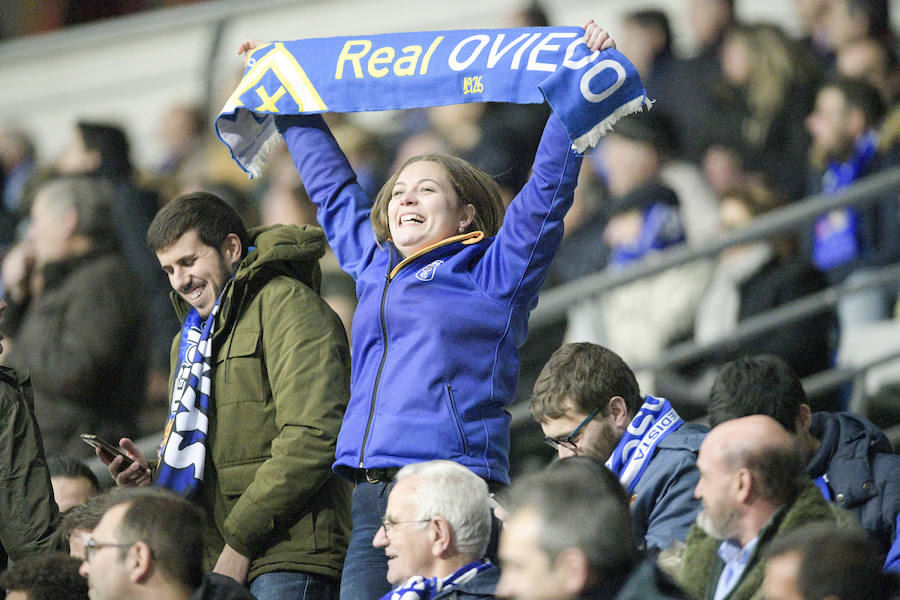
column 470, row 184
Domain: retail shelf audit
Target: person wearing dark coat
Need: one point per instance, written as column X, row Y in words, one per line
column 79, row 318
column 848, row 457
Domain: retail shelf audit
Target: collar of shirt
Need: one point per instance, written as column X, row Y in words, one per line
column 735, row 558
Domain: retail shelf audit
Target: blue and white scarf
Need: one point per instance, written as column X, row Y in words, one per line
column 182, row 453
column 654, row 421
column 422, row 588
column 588, row 90
column 836, row 234
column 660, row 228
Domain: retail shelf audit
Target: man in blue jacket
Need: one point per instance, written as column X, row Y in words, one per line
column 587, row 401
column 848, row 457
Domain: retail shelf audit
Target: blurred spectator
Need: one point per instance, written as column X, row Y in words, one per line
column 79, row 331
column 103, row 150
column 181, row 134
column 647, row 42
column 643, row 147
column 17, row 164
column 847, row 21
column 750, row 279
column 695, row 115
column 873, row 61
column 847, row 242
column 73, row 482
column 814, row 37
column 532, row 14
column 818, row 562
column 45, row 577
column 639, row 319
column 768, row 90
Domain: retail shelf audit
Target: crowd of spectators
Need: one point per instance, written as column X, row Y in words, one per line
column 756, row 120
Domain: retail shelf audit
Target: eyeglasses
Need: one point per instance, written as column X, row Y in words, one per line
column 569, row 442
column 387, row 523
column 90, row 545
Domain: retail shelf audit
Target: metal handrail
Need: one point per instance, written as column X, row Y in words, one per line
column 776, row 317
column 554, row 302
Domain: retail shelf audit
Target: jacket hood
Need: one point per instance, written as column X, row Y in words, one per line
column 285, row 250
column 849, row 443
column 277, row 250
column 843, row 432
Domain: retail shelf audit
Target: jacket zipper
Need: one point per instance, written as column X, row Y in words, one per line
column 455, row 415
column 362, row 449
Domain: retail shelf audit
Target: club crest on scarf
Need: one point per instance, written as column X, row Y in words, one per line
column 182, row 453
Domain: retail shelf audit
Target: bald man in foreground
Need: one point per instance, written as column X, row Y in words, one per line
column 754, row 489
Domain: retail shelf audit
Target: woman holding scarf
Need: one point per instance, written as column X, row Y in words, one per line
column 444, row 291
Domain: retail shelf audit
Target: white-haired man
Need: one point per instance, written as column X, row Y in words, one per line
column 435, row 532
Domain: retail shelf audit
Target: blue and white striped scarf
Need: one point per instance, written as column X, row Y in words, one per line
column 589, row 91
column 182, row 453
column 424, row 588
column 654, row 421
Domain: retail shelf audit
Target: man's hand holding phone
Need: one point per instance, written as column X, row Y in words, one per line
column 126, row 464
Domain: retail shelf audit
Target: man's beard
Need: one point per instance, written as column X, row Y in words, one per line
column 720, row 527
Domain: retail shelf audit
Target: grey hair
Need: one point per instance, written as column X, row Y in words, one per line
column 92, row 199
column 455, row 493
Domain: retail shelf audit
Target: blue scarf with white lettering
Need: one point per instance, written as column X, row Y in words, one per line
column 424, row 588
column 836, row 234
column 589, row 91
column 654, row 421
column 182, row 453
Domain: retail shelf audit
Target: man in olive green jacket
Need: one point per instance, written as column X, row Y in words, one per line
column 279, row 374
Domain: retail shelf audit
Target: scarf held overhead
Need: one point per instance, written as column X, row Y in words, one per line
column 588, row 90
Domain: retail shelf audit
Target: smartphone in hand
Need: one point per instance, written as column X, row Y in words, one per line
column 112, row 451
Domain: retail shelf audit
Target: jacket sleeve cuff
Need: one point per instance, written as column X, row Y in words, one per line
column 285, row 122
column 247, row 527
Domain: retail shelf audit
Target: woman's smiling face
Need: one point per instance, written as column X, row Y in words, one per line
column 424, row 209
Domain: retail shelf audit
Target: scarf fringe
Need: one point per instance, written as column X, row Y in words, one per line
column 592, row 137
column 255, row 168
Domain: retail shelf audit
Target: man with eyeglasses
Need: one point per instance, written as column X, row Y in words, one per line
column 149, row 545
column 587, row 401
column 435, row 533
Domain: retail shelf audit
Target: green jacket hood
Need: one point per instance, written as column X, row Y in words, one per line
column 288, row 250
